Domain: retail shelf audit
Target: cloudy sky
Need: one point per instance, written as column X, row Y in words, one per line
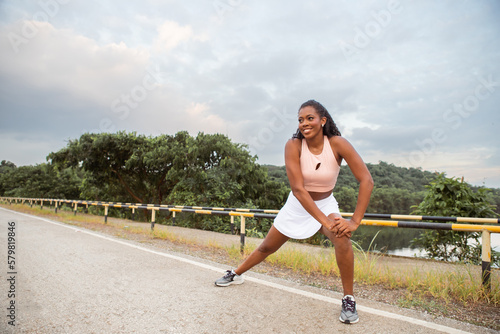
column 413, row 83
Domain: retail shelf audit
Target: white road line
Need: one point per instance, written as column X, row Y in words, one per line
column 381, row 313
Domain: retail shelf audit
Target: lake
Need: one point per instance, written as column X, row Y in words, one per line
column 396, row 241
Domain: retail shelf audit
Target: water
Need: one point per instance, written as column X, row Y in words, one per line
column 495, row 241
column 415, row 252
column 385, row 239
column 396, row 241
column 408, row 252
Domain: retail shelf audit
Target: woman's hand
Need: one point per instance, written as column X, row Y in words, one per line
column 343, row 227
column 331, row 224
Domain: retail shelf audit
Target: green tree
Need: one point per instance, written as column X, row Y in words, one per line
column 276, row 173
column 455, row 198
column 6, row 167
column 219, row 173
column 346, row 197
column 393, row 200
column 206, row 170
column 123, row 166
column 40, row 181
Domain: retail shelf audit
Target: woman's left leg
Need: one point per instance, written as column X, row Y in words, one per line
column 345, row 261
column 344, row 255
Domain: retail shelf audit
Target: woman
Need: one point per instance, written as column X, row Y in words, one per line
column 312, row 158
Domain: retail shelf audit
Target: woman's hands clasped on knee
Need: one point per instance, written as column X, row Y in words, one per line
column 342, row 227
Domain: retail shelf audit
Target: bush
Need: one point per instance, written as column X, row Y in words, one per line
column 455, row 198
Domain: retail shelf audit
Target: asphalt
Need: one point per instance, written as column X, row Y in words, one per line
column 71, row 280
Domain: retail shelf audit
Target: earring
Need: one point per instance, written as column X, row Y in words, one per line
column 322, row 125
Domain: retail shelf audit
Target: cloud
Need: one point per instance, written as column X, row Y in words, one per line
column 162, row 67
column 71, row 78
column 199, row 117
column 70, row 63
column 170, row 35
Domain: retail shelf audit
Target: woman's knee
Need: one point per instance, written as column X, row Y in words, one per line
column 273, row 241
column 342, row 244
column 266, row 249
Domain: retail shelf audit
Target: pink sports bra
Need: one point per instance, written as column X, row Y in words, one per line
column 319, row 172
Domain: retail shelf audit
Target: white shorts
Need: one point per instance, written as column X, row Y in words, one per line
column 296, row 223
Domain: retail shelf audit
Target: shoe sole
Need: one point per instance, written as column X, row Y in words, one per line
column 228, row 284
column 348, row 321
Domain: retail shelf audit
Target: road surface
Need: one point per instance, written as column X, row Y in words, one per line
column 71, row 280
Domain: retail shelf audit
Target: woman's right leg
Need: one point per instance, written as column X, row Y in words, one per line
column 273, row 241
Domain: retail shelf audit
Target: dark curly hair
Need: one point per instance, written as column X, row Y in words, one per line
column 330, row 129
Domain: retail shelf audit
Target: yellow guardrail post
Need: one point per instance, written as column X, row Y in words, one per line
column 173, row 218
column 76, row 208
column 153, row 216
column 486, row 257
column 232, row 225
column 106, row 206
column 242, row 234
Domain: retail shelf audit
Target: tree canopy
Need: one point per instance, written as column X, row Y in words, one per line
column 206, row 170
column 40, row 181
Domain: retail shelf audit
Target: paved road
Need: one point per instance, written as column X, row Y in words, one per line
column 71, row 280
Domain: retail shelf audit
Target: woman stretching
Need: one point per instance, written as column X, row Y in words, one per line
column 312, row 158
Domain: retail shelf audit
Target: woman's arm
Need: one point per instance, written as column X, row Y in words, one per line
column 294, row 173
column 346, row 151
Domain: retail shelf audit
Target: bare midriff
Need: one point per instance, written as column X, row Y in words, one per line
column 317, row 196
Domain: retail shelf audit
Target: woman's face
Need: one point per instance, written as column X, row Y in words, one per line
column 310, row 123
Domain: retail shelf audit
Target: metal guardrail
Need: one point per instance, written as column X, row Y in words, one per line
column 486, row 230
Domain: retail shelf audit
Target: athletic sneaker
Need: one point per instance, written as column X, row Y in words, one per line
column 229, row 278
column 349, row 315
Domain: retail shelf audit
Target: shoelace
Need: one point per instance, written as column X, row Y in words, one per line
column 349, row 304
column 229, row 274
